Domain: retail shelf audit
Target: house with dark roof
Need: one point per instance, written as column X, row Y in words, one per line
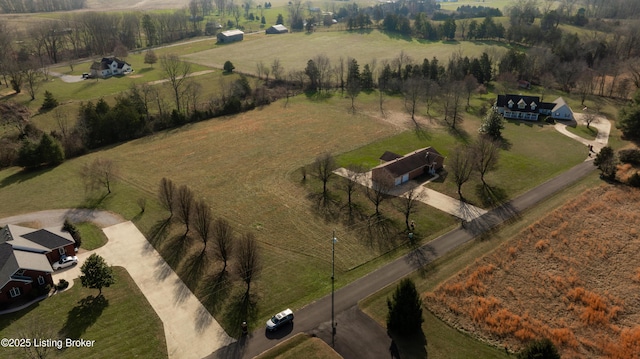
column 26, row 256
column 401, row 169
column 110, row 66
column 520, row 107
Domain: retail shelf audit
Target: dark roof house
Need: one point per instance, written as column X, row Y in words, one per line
column 230, row 36
column 277, row 29
column 109, row 66
column 522, row 107
column 26, row 256
column 404, row 168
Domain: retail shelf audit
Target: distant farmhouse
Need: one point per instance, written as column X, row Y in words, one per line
column 110, row 66
column 404, row 168
column 529, row 108
column 230, row 36
column 277, row 29
column 26, row 256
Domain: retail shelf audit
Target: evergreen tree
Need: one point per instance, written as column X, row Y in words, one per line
column 228, row 67
column 49, row 102
column 96, row 273
column 629, row 122
column 405, row 310
column 492, row 125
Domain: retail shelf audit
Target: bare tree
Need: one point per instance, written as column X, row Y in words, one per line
column 351, row 183
column 379, row 191
column 470, row 84
column 15, row 115
column 323, row 66
column 460, row 166
column 408, row 202
column 451, row 104
column 412, row 90
column 224, row 241
column 486, row 153
column 276, row 69
column 202, row 221
column 167, row 195
column 101, row 172
column 176, row 71
column 248, row 261
column 589, row 116
column 236, row 13
column 184, row 209
column 324, row 166
column 37, row 330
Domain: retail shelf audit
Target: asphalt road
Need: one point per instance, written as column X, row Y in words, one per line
column 315, row 318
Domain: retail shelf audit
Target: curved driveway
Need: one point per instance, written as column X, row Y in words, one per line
column 190, row 331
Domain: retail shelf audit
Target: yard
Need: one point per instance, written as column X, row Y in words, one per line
column 78, row 314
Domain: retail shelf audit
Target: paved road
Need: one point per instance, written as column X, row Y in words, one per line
column 315, row 317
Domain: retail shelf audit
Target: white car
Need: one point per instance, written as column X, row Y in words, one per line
column 64, row 262
column 280, row 319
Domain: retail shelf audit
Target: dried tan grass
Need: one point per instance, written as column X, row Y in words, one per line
column 563, row 278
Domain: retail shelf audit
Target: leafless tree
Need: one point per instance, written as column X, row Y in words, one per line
column 408, row 202
column 412, row 90
column 323, row 168
column 379, row 191
column 351, row 182
column 460, row 166
column 184, row 206
column 101, row 172
column 248, row 259
column 236, row 13
column 486, row 153
column 470, row 84
column 431, row 90
column 202, row 221
column 32, row 79
column 323, row 64
column 451, row 96
column 35, row 329
column 340, row 70
column 224, row 241
column 15, row 115
column 176, row 71
column 589, row 116
column 276, row 69
column 167, row 195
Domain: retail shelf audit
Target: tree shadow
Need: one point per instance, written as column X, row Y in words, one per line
column 159, row 231
column 193, row 268
column 94, row 200
column 421, row 258
column 420, row 131
column 325, row 205
column 215, row 291
column 23, row 175
column 244, row 307
column 459, row 133
column 381, row 233
column 174, row 249
column 490, row 196
column 414, row 346
column 84, row 315
column 505, row 144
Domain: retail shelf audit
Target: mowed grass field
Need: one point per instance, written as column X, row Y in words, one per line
column 295, row 49
column 121, row 322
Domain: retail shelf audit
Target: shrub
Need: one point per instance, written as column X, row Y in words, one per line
column 543, row 349
column 73, row 230
column 631, row 155
column 634, row 180
column 228, row 67
column 62, row 285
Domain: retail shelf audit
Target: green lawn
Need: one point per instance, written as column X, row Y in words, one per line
column 300, row 346
column 92, row 236
column 121, row 322
column 584, row 132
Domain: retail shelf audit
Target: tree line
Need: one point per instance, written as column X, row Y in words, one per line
column 31, row 6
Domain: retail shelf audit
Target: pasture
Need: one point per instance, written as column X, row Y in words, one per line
column 295, row 49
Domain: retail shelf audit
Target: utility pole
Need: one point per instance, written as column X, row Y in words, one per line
column 333, row 278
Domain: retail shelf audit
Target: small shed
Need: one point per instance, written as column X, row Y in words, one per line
column 277, row 29
column 230, row 36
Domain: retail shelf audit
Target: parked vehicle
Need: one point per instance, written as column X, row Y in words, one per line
column 280, row 319
column 64, row 262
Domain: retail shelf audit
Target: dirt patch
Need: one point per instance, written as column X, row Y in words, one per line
column 572, row 277
column 135, row 76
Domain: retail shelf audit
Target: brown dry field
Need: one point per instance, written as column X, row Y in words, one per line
column 573, row 277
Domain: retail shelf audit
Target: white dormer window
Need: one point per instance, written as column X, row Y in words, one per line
column 510, row 103
column 522, row 104
column 533, row 106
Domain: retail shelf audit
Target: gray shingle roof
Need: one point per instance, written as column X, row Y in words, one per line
column 47, row 239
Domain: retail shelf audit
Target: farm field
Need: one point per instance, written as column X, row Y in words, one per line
column 570, row 276
column 295, row 49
